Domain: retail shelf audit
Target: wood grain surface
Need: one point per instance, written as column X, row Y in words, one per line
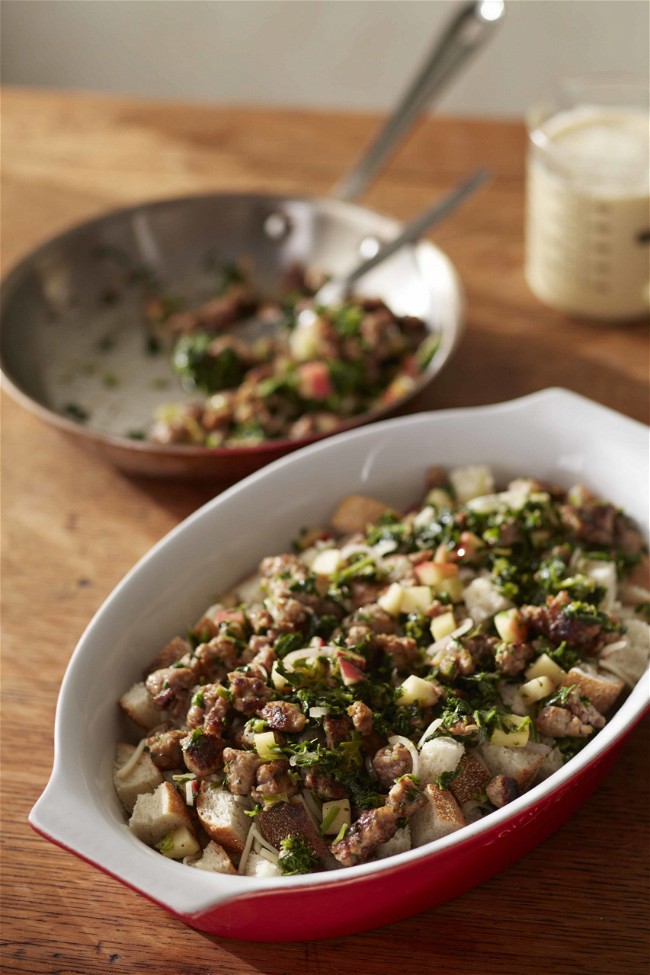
column 72, row 526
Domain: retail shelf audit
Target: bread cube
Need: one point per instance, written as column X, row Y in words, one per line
column 356, row 512
column 223, row 818
column 601, row 689
column 470, row 779
column 214, row 859
column 258, row 866
column 483, row 599
column 399, row 843
column 158, row 813
column 141, row 777
column 138, row 705
column 520, row 764
column 437, row 756
column 440, row 816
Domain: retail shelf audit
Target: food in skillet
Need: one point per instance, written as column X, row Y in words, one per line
column 388, row 681
column 317, row 369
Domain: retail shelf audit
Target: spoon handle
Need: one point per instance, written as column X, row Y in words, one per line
column 467, row 31
column 412, row 231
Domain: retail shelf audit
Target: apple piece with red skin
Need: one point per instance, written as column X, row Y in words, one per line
column 433, row 573
column 469, row 545
column 314, row 381
column 229, row 616
column 350, row 671
column 511, row 626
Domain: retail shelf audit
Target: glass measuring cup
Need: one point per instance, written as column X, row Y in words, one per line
column 588, row 206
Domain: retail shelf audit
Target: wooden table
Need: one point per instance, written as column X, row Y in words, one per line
column 72, row 526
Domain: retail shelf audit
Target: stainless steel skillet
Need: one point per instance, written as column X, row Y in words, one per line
column 71, row 348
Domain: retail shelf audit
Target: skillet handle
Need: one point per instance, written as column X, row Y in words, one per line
column 466, row 33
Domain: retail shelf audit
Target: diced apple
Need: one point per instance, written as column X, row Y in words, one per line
column 266, row 745
column 537, row 688
column 517, row 734
column 433, row 573
column 468, row 546
column 416, row 689
column 229, row 616
column 314, row 380
column 350, row 673
column 452, row 588
column 416, row 599
column 279, row 682
column 544, row 666
column 443, row 625
column 391, row 600
column 399, row 387
column 327, row 562
column 472, row 481
column 304, row 341
column 440, row 499
column 178, row 843
column 510, row 626
column 336, row 814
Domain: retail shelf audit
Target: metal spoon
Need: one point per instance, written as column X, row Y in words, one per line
column 336, row 289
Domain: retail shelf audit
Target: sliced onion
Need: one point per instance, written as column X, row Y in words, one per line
column 425, row 516
column 311, row 806
column 131, row 762
column 308, row 653
column 241, row 869
column 259, row 839
column 465, row 627
column 357, row 549
column 384, row 547
column 430, row 730
column 415, row 758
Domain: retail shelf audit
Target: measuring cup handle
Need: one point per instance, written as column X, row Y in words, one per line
column 466, row 33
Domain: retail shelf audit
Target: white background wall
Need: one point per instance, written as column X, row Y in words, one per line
column 340, row 53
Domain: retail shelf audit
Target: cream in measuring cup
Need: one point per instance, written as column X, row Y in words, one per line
column 588, row 209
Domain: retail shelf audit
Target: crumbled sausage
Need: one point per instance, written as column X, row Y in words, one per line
column 561, row 723
column 405, row 798
column 361, row 717
column 202, row 752
column 452, row 660
column 248, row 694
column 275, row 778
column 165, row 749
column 481, row 649
column 215, row 658
column 283, row 716
column 337, row 729
column 554, row 623
column 592, row 523
column 511, row 659
column 390, row 762
column 240, row 768
column 322, row 785
column 365, row 836
column 403, row 650
column 170, row 688
column 501, row 790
